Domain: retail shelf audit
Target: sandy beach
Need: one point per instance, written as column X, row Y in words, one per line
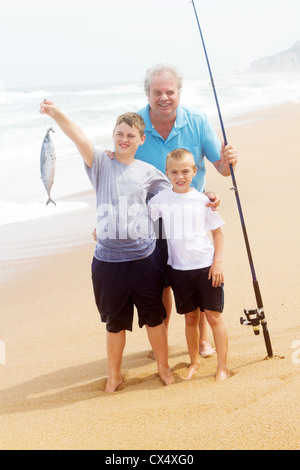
column 53, row 372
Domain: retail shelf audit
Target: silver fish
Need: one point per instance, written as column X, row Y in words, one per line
column 47, row 162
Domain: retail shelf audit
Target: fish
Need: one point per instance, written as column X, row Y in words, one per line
column 48, row 163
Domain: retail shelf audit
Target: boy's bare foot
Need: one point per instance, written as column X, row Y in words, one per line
column 113, row 384
column 205, row 349
column 166, row 375
column 193, row 368
column 151, row 355
column 223, row 374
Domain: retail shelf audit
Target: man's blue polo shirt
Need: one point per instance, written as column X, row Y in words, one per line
column 191, row 131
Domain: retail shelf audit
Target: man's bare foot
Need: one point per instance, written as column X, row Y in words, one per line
column 223, row 374
column 205, row 349
column 113, row 384
column 166, row 375
column 193, row 368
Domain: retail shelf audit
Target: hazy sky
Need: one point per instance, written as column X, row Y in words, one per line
column 64, row 42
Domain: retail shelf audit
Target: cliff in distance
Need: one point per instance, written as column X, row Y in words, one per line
column 286, row 61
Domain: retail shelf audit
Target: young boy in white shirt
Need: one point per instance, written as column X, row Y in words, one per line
column 195, row 269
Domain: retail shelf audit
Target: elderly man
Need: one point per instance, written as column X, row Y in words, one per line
column 169, row 125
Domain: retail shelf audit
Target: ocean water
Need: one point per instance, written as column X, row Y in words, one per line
column 95, row 108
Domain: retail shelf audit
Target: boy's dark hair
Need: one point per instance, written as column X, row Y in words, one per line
column 132, row 120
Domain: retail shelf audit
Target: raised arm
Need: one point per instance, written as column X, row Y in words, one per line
column 71, row 130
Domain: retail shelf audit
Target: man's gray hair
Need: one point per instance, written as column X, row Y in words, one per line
column 162, row 68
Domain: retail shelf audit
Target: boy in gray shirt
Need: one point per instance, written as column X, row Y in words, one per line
column 126, row 267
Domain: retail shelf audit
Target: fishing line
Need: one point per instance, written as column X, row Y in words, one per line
column 254, row 317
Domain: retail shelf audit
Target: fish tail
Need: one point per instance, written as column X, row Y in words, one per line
column 50, row 200
column 50, row 129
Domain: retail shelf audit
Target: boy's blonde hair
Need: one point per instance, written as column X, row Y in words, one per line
column 181, row 154
column 132, row 120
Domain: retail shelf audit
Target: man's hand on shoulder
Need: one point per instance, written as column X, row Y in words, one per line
column 214, row 200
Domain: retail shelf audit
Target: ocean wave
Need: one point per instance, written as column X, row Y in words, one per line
column 113, row 90
column 95, row 109
column 12, row 96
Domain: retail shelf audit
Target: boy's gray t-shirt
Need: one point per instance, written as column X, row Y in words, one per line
column 124, row 230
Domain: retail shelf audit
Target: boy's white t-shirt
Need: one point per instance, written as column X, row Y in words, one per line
column 186, row 222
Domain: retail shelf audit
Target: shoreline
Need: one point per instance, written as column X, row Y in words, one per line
column 52, row 383
column 47, row 236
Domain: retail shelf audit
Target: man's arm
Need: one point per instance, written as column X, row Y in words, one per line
column 228, row 155
column 71, row 130
column 214, row 200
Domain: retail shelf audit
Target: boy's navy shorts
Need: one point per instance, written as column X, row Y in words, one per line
column 118, row 287
column 192, row 289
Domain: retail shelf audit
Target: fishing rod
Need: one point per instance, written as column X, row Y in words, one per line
column 254, row 317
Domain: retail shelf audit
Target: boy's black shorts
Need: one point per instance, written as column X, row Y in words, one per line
column 193, row 290
column 118, row 287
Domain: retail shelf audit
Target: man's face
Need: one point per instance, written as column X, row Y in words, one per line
column 164, row 96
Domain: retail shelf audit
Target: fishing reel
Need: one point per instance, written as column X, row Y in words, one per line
column 253, row 318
